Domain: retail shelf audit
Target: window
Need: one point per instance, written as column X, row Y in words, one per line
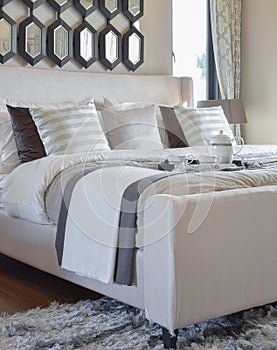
column 189, row 43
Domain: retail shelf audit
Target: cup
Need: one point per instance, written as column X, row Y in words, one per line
column 207, row 159
column 184, row 163
column 186, row 159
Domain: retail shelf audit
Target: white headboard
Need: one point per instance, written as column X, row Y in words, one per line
column 46, row 85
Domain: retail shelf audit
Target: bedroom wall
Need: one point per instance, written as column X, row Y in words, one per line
column 259, row 70
column 155, row 26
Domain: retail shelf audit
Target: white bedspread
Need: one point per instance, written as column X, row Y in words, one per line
column 24, row 190
column 24, row 197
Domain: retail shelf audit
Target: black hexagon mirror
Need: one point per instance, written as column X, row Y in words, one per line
column 110, row 8
column 110, row 47
column 60, row 42
column 85, row 44
column 133, row 49
column 133, row 9
column 60, row 5
column 85, row 7
column 32, row 40
column 8, row 37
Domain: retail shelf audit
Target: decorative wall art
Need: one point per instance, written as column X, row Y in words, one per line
column 82, row 42
column 85, row 36
column 32, row 40
column 7, row 34
column 133, row 40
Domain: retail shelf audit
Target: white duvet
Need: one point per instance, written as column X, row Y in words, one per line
column 92, row 226
column 23, row 194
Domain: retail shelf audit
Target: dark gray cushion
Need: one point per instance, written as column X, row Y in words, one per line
column 27, row 139
column 175, row 134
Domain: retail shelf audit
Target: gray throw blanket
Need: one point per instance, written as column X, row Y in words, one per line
column 127, row 223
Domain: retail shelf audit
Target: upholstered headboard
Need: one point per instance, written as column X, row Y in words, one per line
column 46, row 85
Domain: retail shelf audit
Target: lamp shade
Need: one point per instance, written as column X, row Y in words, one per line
column 233, row 109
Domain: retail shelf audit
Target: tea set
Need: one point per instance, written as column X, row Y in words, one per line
column 220, row 154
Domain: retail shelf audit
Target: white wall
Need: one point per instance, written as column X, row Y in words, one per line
column 259, row 70
column 155, row 25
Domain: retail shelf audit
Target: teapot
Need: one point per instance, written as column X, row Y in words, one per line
column 221, row 146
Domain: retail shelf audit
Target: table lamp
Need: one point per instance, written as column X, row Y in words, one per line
column 232, row 108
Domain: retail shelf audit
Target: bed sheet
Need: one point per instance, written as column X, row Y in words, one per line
column 3, row 178
column 30, row 205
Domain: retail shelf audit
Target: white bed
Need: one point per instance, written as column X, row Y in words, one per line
column 225, row 265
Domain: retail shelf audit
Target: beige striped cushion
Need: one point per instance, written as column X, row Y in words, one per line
column 200, row 124
column 70, row 130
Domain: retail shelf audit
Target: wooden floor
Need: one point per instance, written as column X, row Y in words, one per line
column 23, row 287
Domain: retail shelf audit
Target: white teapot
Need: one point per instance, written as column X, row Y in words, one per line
column 221, row 146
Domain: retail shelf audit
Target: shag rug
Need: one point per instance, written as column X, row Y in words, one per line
column 108, row 324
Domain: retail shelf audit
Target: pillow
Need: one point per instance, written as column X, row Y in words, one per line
column 132, row 128
column 70, row 130
column 201, row 124
column 111, row 102
column 27, row 139
column 8, row 149
column 176, row 136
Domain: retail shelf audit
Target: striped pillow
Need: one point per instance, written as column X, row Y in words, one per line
column 70, row 130
column 201, row 124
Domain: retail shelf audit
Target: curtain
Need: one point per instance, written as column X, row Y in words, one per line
column 212, row 88
column 226, row 34
column 226, row 38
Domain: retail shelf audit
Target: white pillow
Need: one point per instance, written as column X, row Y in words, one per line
column 70, row 130
column 8, row 150
column 201, row 124
column 127, row 127
column 111, row 102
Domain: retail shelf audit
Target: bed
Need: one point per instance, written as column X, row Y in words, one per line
column 196, row 255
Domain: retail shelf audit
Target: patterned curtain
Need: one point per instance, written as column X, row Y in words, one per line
column 226, row 36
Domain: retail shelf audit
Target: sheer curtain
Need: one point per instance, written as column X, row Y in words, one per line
column 226, row 38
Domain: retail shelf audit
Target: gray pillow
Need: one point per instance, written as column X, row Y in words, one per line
column 175, row 134
column 131, row 128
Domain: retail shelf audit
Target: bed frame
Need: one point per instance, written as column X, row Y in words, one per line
column 194, row 272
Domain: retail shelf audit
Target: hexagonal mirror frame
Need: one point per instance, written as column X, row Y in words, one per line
column 127, row 49
column 129, row 14
column 110, row 14
column 110, row 64
column 60, row 7
column 85, row 12
column 33, row 4
column 37, row 42
column 13, row 38
column 51, row 42
column 78, row 45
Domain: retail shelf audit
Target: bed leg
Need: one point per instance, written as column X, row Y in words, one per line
column 169, row 340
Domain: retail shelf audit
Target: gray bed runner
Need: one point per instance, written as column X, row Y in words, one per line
column 66, row 198
column 124, row 267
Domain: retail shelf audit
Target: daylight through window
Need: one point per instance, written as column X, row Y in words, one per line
column 189, row 43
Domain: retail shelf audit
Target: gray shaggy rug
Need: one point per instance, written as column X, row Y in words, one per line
column 108, row 324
